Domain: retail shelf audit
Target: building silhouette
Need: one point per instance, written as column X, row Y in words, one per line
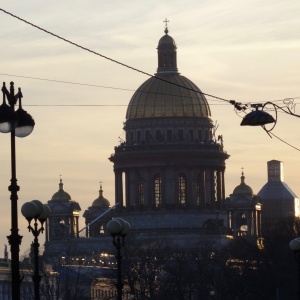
column 244, row 213
column 64, row 218
column 169, row 185
column 95, row 216
column 280, row 203
column 171, row 169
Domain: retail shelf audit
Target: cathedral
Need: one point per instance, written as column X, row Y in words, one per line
column 169, row 174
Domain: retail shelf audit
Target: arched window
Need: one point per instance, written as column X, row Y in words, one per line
column 101, row 230
column 242, row 223
column 141, row 199
column 157, row 190
column 181, row 189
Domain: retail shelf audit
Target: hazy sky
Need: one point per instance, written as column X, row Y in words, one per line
column 248, row 51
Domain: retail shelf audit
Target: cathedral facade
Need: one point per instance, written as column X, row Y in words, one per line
column 169, row 172
column 171, row 158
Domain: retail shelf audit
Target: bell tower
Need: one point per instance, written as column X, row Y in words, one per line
column 63, row 221
column 244, row 212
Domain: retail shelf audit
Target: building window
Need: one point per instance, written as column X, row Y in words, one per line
column 191, row 135
column 199, row 135
column 158, row 136
column 131, row 138
column 157, row 190
column 169, row 136
column 180, row 135
column 148, row 136
column 141, row 199
column 138, row 137
column 181, row 189
column 101, row 230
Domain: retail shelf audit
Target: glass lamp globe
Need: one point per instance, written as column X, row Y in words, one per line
column 26, row 123
column 8, row 118
column 114, row 226
column 295, row 244
column 45, row 213
column 29, row 210
column 40, row 207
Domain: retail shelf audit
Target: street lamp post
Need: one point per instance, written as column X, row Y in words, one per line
column 295, row 247
column 39, row 212
column 118, row 228
column 19, row 123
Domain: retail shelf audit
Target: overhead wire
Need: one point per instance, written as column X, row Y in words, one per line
column 236, row 105
column 271, row 133
column 114, row 88
column 106, row 57
column 104, row 87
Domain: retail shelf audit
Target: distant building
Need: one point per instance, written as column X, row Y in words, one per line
column 244, row 213
column 95, row 217
column 63, row 222
column 279, row 201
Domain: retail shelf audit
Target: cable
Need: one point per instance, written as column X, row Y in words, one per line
column 68, row 82
column 121, row 89
column 106, row 57
column 238, row 106
column 283, row 141
column 105, row 87
column 114, row 88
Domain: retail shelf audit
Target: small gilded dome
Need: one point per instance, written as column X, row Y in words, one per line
column 61, row 195
column 243, row 188
column 101, row 201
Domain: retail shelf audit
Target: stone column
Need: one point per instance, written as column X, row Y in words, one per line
column 219, row 189
column 119, row 189
column 223, row 184
column 212, row 189
column 202, row 189
column 127, row 189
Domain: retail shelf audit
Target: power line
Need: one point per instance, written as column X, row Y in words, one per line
column 105, row 87
column 237, row 105
column 283, row 141
column 113, row 88
column 108, row 58
column 68, row 82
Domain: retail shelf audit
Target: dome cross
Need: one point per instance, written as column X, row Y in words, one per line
column 166, row 29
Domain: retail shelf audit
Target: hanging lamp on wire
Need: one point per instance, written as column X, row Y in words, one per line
column 257, row 117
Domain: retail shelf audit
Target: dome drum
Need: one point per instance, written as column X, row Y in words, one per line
column 212, row 155
column 160, row 130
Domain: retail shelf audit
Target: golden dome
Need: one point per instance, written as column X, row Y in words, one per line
column 167, row 94
column 157, row 98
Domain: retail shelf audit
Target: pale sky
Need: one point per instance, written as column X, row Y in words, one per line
column 248, row 51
